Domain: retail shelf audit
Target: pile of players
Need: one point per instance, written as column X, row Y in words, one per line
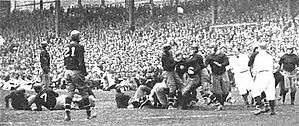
column 75, row 72
column 21, row 99
column 175, row 87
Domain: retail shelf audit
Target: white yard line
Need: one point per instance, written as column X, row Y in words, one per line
column 195, row 116
column 143, row 118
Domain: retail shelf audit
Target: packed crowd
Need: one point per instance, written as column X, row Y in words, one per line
column 110, row 45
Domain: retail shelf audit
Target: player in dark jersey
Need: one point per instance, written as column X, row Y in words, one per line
column 75, row 73
column 19, row 100
column 45, row 64
column 288, row 65
column 53, row 101
column 45, row 97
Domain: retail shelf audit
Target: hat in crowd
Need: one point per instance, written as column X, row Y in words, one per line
column 290, row 47
column 194, row 46
column 74, row 33
column 45, row 43
column 167, row 46
column 177, row 53
column 263, row 45
column 150, row 69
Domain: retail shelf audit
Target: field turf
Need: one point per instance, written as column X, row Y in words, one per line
column 107, row 114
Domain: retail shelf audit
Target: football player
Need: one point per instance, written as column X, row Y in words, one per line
column 20, row 100
column 53, row 101
column 75, row 73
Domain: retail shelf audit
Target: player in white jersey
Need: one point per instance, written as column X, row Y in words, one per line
column 263, row 68
column 243, row 79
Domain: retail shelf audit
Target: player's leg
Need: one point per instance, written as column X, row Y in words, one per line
column 45, row 80
column 161, row 96
column 69, row 75
column 187, row 96
column 226, row 87
column 172, row 86
column 79, row 80
column 270, row 93
column 68, row 101
column 30, row 100
column 258, row 88
column 293, row 90
column 60, row 102
column 178, row 91
column 141, row 91
column 217, row 90
column 245, row 85
column 88, row 100
column 245, row 98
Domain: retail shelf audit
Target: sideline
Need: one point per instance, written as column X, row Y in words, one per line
column 196, row 116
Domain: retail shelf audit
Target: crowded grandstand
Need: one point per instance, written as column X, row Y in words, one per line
column 117, row 57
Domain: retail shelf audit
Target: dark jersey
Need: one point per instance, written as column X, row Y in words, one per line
column 122, row 100
column 45, row 61
column 168, row 62
column 289, row 62
column 46, row 98
column 74, row 57
column 18, row 100
column 179, row 70
column 196, row 61
column 221, row 59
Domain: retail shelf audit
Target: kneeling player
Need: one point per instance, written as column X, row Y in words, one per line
column 52, row 101
column 19, row 100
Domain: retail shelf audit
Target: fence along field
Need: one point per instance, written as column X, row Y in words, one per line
column 70, row 3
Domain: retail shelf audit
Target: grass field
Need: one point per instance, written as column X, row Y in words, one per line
column 108, row 114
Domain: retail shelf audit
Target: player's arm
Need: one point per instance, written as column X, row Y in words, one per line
column 167, row 62
column 201, row 63
column 225, row 61
column 208, row 61
column 54, row 93
column 251, row 59
column 281, row 62
column 38, row 104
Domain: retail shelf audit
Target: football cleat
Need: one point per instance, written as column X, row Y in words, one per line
column 67, row 118
column 257, row 112
column 171, row 107
column 219, row 108
column 92, row 116
column 146, row 103
column 272, row 113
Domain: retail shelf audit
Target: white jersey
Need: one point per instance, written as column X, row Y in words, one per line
column 263, row 62
column 241, row 64
column 264, row 80
column 243, row 79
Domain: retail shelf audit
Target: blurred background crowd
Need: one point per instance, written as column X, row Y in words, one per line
column 111, row 47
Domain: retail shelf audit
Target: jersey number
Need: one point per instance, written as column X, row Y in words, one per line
column 44, row 96
column 67, row 50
